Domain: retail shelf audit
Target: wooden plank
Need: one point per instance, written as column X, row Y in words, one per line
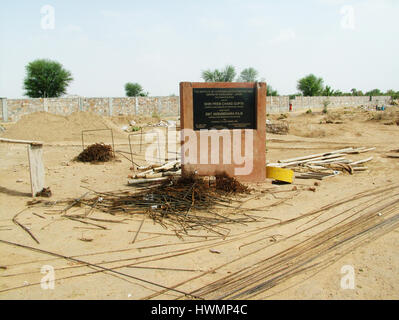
column 362, row 161
column 131, row 182
column 316, row 155
column 167, row 166
column 361, row 150
column 34, row 143
column 296, row 163
column 360, row 169
column 340, row 160
column 36, row 166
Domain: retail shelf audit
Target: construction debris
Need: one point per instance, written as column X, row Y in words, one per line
column 281, row 127
column 156, row 172
column 98, row 152
column 16, row 222
column 45, row 193
column 312, row 254
column 394, row 155
column 280, row 174
column 317, row 175
column 230, row 185
column 172, row 203
column 164, row 124
column 325, row 165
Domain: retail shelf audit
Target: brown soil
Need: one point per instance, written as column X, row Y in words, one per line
column 48, row 127
column 157, row 254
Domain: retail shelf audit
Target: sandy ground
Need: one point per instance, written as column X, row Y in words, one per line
column 375, row 262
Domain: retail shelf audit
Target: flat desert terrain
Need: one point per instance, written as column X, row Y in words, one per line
column 291, row 249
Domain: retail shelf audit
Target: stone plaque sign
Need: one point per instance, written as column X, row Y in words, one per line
column 224, row 108
column 223, row 129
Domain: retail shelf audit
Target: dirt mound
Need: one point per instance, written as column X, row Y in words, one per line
column 333, row 117
column 307, row 131
column 138, row 120
column 392, row 115
column 47, row 127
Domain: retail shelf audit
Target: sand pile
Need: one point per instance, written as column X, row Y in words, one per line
column 308, row 131
column 47, row 127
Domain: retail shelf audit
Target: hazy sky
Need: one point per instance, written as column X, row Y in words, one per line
column 351, row 44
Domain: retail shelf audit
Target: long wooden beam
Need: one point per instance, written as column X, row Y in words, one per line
column 33, row 143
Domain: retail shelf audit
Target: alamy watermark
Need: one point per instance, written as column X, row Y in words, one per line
column 48, row 17
column 348, row 20
column 48, row 281
column 348, row 278
column 204, row 147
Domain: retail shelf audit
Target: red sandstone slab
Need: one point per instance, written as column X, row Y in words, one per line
column 219, row 151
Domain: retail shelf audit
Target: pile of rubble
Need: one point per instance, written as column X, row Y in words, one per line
column 275, row 127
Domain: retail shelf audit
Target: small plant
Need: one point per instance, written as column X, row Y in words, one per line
column 282, row 117
column 309, row 111
column 325, row 106
column 135, row 129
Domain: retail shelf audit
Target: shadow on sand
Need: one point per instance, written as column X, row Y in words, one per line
column 14, row 193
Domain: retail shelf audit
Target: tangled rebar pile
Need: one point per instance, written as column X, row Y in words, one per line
column 98, row 152
column 230, row 185
column 352, row 227
column 187, row 203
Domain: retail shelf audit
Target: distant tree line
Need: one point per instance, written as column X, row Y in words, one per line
column 49, row 79
column 229, row 74
column 311, row 85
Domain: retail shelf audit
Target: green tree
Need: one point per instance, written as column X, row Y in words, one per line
column 293, row 96
column 394, row 95
column 311, row 86
column 328, row 91
column 135, row 90
column 46, row 79
column 226, row 75
column 271, row 92
column 248, row 75
column 374, row 93
column 357, row 93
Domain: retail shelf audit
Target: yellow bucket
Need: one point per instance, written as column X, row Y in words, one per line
column 280, row 174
